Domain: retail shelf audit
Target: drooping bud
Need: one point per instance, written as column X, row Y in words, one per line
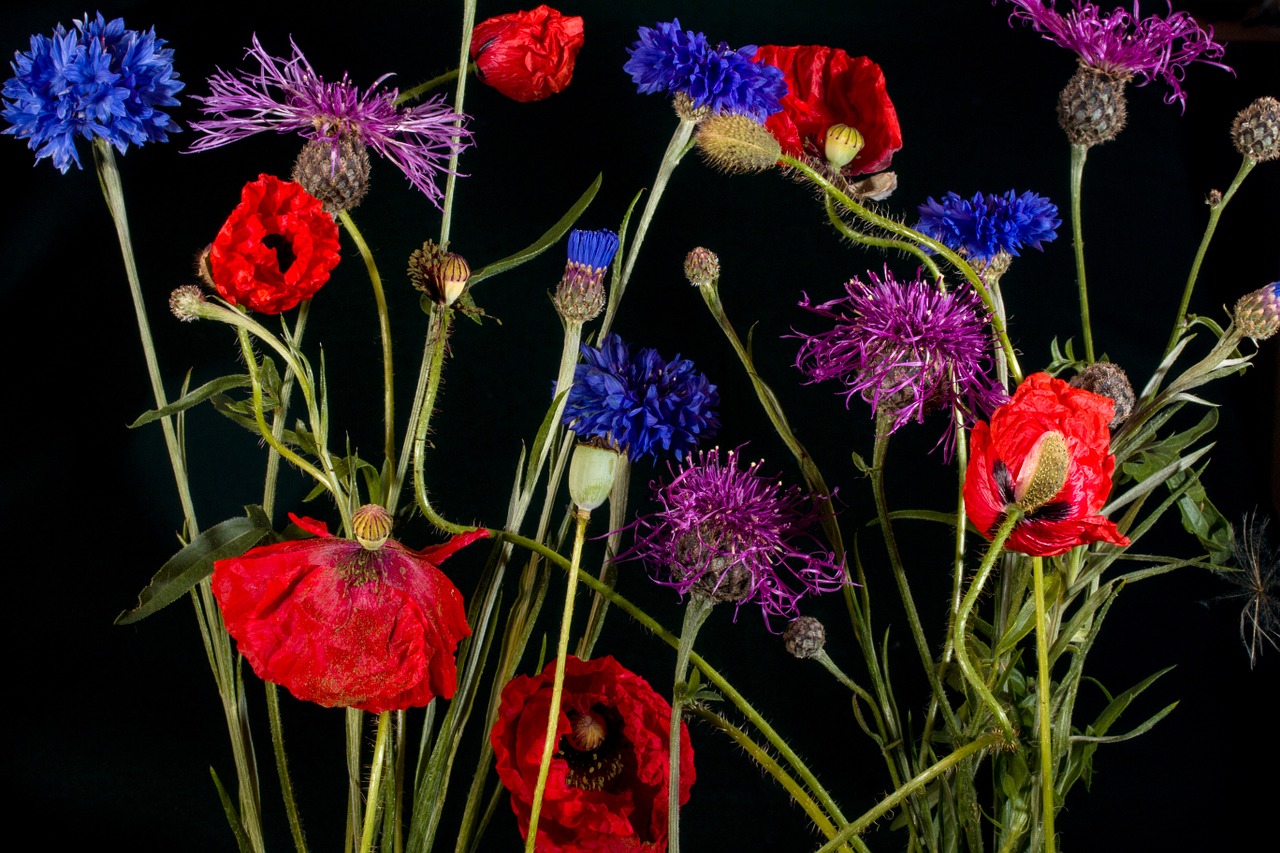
column 804, row 637
column 591, row 471
column 1256, row 129
column 737, row 145
column 1109, row 380
column 371, row 525
column 1092, row 107
column 841, row 144
column 184, row 302
column 339, row 178
column 1258, row 313
column 702, row 267
column 580, row 296
column 1044, row 472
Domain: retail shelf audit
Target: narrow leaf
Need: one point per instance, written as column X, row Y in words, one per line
column 218, row 386
column 546, row 241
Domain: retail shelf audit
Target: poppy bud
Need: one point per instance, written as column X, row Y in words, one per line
column 450, row 278
column 591, row 472
column 1044, row 472
column 841, row 144
column 737, row 145
column 185, row 301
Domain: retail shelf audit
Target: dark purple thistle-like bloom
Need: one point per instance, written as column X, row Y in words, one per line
column 723, row 526
column 667, row 58
column 289, row 97
column 99, row 81
column 1127, row 44
column 640, row 404
column 907, row 349
column 986, row 225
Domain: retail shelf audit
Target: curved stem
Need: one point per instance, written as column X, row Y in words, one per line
column 1078, row 155
column 375, row 780
column 415, row 410
column 878, row 242
column 1042, row 700
column 422, row 88
column 695, row 614
column 557, row 684
column 441, row 317
column 282, row 413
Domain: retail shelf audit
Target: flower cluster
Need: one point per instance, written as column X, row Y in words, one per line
column 641, row 403
column 907, row 348
column 986, row 225
column 98, row 80
column 527, row 56
column 419, row 140
column 668, row 58
column 734, row 534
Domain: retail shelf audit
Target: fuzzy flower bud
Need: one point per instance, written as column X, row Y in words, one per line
column 338, row 176
column 580, row 297
column 371, row 525
column 1258, row 313
column 841, row 144
column 422, row 264
column 450, row 278
column 185, row 301
column 702, row 267
column 1092, row 107
column 804, row 637
column 1044, row 472
column 737, row 145
column 591, row 471
column 1109, row 380
column 1256, row 130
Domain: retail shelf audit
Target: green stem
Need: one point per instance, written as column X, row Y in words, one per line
column 1215, row 211
column 282, row 768
column 459, row 94
column 695, row 614
column 434, row 328
column 354, row 721
column 1078, row 155
column 441, row 317
column 281, row 415
column 1042, row 700
column 375, row 780
column 557, row 684
column 879, row 242
column 384, row 328
column 422, row 88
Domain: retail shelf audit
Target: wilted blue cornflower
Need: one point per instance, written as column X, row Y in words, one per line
column 906, row 348
column 735, row 534
column 1126, row 44
column 289, row 97
column 986, row 225
column 640, row 404
column 99, row 81
column 667, row 58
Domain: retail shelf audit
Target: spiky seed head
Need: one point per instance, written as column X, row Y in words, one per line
column 1258, row 313
column 342, row 183
column 1109, row 380
column 1092, row 107
column 702, row 267
column 1256, row 129
column 736, row 145
column 804, row 637
column 841, row 144
column 371, row 525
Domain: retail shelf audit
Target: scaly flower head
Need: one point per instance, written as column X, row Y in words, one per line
column 641, row 403
column 289, row 97
column 735, row 534
column 1126, row 44
column 906, row 348
column 986, row 225
column 580, row 294
column 99, row 81
column 668, row 58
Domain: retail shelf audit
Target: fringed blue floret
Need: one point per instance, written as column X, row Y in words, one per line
column 986, row 225
column 592, row 249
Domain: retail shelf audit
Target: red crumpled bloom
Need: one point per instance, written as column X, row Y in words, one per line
column 527, row 56
column 827, row 86
column 340, row 625
column 607, row 787
column 997, row 474
column 276, row 248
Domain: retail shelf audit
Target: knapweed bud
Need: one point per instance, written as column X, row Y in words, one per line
column 1092, row 107
column 1256, row 129
column 1044, row 472
column 579, row 297
column 371, row 525
column 804, row 637
column 1109, row 380
column 340, row 181
column 591, row 471
column 422, row 264
column 1258, row 313
column 841, row 144
column 683, row 105
column 184, row 302
column 702, row 267
column 737, row 145
column 450, row 278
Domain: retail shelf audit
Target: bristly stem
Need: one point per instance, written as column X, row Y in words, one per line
column 696, row 612
column 885, row 243
column 1078, row 155
column 459, row 93
column 441, row 317
column 422, row 88
column 375, row 780
column 1042, row 701
column 282, row 768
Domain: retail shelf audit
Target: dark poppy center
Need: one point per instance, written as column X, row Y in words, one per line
column 361, row 566
column 593, row 749
column 283, row 249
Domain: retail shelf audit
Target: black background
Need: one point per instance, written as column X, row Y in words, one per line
column 116, row 727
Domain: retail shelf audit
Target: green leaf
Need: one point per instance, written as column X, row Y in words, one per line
column 1156, row 456
column 1202, row 519
column 218, row 386
column 548, row 424
column 546, row 241
column 194, row 563
column 237, row 828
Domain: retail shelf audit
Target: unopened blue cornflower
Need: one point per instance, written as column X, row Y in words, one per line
column 907, row 348
column 668, row 58
column 1125, row 44
column 986, row 225
column 99, row 81
column 642, row 403
column 736, row 534
column 580, row 295
column 289, row 97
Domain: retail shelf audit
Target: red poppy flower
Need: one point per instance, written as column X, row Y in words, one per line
column 826, row 86
column 607, row 788
column 527, row 56
column 339, row 624
column 276, row 248
column 1047, row 426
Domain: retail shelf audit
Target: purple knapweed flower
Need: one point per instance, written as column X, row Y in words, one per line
column 667, row 58
column 735, row 534
column 1126, row 44
column 906, row 348
column 640, row 404
column 986, row 225
column 288, row 97
column 99, row 81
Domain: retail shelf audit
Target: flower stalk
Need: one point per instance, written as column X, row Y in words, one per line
column 1042, row 703
column 1078, row 155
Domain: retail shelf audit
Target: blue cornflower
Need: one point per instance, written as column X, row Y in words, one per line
column 98, row 81
column 580, row 294
column 669, row 59
column 592, row 249
column 641, row 403
column 985, row 226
